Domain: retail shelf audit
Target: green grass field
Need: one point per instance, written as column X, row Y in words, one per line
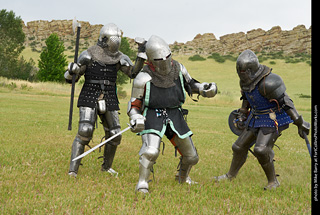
column 35, row 153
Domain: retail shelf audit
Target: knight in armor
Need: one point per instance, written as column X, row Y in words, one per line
column 155, row 109
column 98, row 97
column 271, row 112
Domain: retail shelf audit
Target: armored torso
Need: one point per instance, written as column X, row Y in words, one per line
column 100, row 81
column 265, row 113
column 163, row 107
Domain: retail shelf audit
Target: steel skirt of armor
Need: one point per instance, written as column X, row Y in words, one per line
column 163, row 108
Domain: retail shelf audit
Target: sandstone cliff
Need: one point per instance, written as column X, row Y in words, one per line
column 297, row 40
column 37, row 32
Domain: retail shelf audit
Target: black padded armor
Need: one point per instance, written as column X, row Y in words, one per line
column 99, row 79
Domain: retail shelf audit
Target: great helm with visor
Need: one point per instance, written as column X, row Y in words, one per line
column 159, row 54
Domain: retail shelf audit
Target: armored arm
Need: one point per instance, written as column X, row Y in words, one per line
column 127, row 66
column 193, row 86
column 141, row 56
column 135, row 105
column 139, row 63
column 78, row 68
column 244, row 110
column 272, row 87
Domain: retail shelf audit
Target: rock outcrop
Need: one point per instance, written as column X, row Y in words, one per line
column 297, row 40
column 37, row 31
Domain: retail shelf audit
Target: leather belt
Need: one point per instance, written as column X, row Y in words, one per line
column 103, row 82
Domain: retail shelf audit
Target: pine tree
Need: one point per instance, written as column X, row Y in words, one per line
column 53, row 61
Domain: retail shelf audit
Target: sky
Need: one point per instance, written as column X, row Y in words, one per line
column 173, row 20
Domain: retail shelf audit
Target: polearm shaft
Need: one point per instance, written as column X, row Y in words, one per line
column 74, row 76
column 101, row 144
column 71, row 101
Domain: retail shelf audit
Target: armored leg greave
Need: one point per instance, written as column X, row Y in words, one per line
column 189, row 157
column 77, row 149
column 111, row 125
column 264, row 153
column 149, row 153
column 271, row 176
column 108, row 156
column 85, row 131
column 144, row 174
column 240, row 151
column 237, row 162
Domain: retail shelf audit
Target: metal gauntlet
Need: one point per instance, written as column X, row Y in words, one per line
column 303, row 126
column 208, row 90
column 136, row 118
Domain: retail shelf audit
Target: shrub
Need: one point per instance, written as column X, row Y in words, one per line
column 217, row 57
column 299, row 57
column 196, row 58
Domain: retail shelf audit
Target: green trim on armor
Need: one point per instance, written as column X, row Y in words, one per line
column 163, row 130
column 147, row 96
column 189, row 133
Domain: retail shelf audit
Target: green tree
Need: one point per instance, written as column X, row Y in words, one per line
column 11, row 45
column 23, row 70
column 125, row 49
column 53, row 61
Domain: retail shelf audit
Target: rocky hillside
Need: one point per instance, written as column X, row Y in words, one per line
column 297, row 40
column 37, row 31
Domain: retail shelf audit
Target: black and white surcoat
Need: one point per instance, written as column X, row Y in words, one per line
column 163, row 105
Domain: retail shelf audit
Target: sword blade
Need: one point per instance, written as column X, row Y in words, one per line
column 101, row 144
column 307, row 142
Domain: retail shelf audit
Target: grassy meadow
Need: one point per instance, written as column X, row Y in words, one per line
column 35, row 148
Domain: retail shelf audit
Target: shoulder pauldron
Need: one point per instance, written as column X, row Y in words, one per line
column 272, row 86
